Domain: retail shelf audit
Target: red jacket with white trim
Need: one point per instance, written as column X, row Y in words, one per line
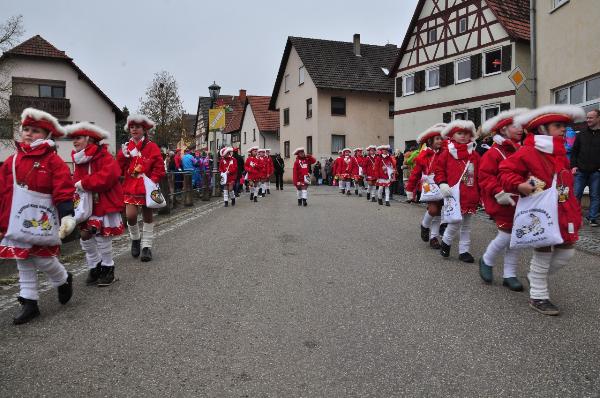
column 301, row 168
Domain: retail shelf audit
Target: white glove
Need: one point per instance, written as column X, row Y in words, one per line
column 67, row 225
column 410, row 196
column 504, row 198
column 445, row 190
column 79, row 186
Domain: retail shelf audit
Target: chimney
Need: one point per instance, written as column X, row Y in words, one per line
column 357, row 44
column 242, row 95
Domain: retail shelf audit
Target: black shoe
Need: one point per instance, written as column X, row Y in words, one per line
column 544, row 307
column 593, row 223
column 146, row 254
column 281, row 188
column 65, row 291
column 237, row 195
column 263, row 195
column 251, row 196
column 135, row 247
column 299, row 202
column 485, row 271
column 380, row 201
column 368, row 196
column 387, row 203
column 513, row 284
column 444, row 249
column 373, row 199
column 29, row 310
column 268, row 191
column 93, row 275
column 255, row 199
column 424, row 234
column 233, row 201
column 260, row 192
column 356, row 191
column 226, row 204
column 434, row 243
column 466, row 257
column 304, row 203
column 343, row 191
column 107, row 276
column 442, row 229
column 348, row 193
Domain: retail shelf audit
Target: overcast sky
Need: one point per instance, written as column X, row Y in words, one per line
column 121, row 44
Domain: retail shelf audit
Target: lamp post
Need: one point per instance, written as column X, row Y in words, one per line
column 214, row 90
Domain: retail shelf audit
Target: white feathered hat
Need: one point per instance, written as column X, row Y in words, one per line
column 37, row 118
column 225, row 150
column 371, row 147
column 432, row 131
column 299, row 149
column 252, row 148
column 459, row 125
column 501, row 120
column 386, row 147
column 142, row 120
column 86, row 129
column 532, row 119
column 357, row 150
column 346, row 150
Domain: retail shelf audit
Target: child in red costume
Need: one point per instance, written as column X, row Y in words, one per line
column 36, row 175
column 369, row 170
column 359, row 175
column 253, row 168
column 385, row 171
column 540, row 160
column 337, row 167
column 301, row 174
column 423, row 170
column 347, row 167
column 228, row 170
column 270, row 170
column 500, row 205
column 459, row 165
column 139, row 157
column 96, row 171
column 263, row 167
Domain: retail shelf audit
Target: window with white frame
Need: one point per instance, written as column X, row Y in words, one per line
column 301, row 75
column 338, row 142
column 459, row 115
column 432, row 35
column 492, row 62
column 462, row 25
column 558, row 3
column 489, row 111
column 463, row 70
column 432, row 78
column 286, row 87
column 585, row 93
column 409, row 84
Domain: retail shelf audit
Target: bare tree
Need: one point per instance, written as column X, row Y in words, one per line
column 163, row 105
column 10, row 34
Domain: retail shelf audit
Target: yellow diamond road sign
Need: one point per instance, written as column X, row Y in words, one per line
column 216, row 119
column 517, row 77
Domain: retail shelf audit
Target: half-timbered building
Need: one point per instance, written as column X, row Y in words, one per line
column 455, row 62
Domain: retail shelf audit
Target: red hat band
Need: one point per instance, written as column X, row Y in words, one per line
column 42, row 124
column 547, row 119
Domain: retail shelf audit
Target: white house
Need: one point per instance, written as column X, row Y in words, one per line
column 46, row 78
column 455, row 62
column 260, row 126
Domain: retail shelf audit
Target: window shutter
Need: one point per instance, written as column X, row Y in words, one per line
column 504, row 106
column 399, row 86
column 419, row 81
column 443, row 75
column 475, row 66
column 474, row 115
column 447, row 117
column 507, row 58
column 450, row 73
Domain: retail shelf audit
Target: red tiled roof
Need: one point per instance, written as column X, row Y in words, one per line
column 233, row 119
column 513, row 15
column 265, row 119
column 37, row 46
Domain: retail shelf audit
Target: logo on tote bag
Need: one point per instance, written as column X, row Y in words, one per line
column 43, row 222
column 157, row 196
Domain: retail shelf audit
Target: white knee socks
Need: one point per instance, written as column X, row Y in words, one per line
column 134, row 231
column 379, row 192
column 92, row 256
column 465, row 233
column 500, row 245
column 148, row 235
column 225, row 195
column 560, row 258
column 434, row 230
column 387, row 193
column 305, row 194
column 54, row 270
column 426, row 222
column 104, row 244
column 299, row 193
column 538, row 275
column 342, row 185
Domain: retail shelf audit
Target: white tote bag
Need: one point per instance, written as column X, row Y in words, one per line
column 154, row 198
column 451, row 211
column 33, row 216
column 535, row 223
column 224, row 178
column 82, row 203
column 307, row 179
column 430, row 191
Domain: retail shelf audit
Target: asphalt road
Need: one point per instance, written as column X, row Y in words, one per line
column 339, row 299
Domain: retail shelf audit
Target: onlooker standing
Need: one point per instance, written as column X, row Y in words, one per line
column 317, row 173
column 585, row 163
column 279, row 169
column 240, row 171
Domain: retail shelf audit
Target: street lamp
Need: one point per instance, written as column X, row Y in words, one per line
column 214, row 90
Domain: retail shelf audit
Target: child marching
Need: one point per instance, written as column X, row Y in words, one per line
column 358, row 178
column 370, row 172
column 337, row 167
column 540, row 169
column 456, row 175
column 96, row 177
column 301, row 174
column 385, row 170
column 141, row 162
column 348, row 168
column 228, row 170
column 36, row 210
column 253, row 169
column 423, row 174
column 263, row 170
column 270, row 170
column 498, row 204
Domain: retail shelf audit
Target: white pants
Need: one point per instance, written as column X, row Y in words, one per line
column 541, row 263
column 464, row 243
column 380, row 192
column 433, row 223
column 302, row 193
column 147, row 235
column 372, row 190
column 499, row 246
column 342, row 184
column 28, row 280
column 98, row 249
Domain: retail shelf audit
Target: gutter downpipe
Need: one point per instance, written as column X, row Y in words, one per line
column 533, row 52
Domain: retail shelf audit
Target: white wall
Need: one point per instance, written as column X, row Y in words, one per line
column 86, row 103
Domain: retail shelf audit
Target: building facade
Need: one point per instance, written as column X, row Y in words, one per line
column 46, row 78
column 260, row 126
column 455, row 62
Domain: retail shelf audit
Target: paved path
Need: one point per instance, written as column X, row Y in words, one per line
column 339, row 299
